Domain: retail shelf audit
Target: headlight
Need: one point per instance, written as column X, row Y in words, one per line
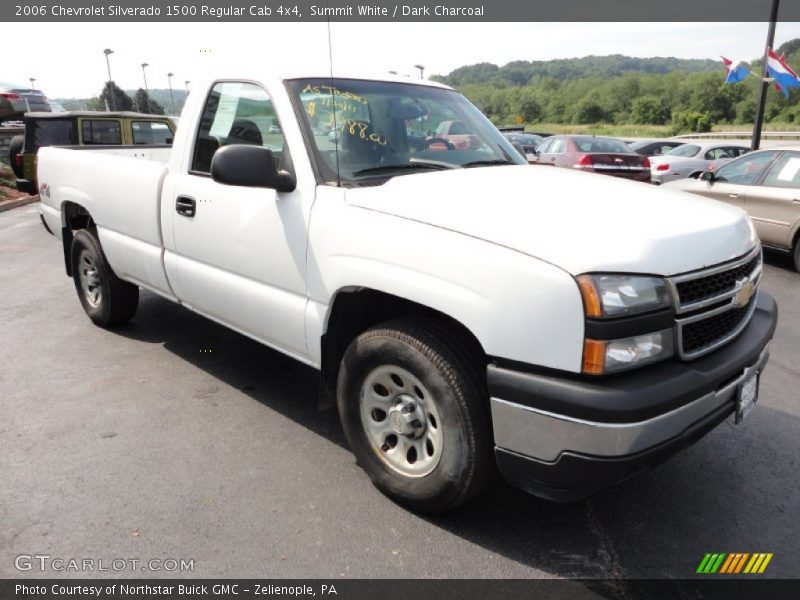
column 609, row 356
column 608, row 296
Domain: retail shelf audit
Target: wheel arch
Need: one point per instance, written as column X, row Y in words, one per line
column 356, row 309
column 73, row 218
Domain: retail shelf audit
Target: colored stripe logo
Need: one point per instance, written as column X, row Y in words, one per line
column 734, row 563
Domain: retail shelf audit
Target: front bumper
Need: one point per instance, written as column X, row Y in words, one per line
column 564, row 437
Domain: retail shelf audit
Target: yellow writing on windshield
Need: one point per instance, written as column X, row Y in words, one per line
column 333, row 91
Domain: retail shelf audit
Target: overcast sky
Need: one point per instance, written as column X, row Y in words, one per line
column 67, row 58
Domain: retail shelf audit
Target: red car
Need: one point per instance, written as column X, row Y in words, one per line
column 594, row 154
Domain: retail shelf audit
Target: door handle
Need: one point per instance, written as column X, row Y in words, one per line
column 186, row 206
column 734, row 195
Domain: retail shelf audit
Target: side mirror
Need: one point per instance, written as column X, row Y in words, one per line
column 250, row 166
column 707, row 176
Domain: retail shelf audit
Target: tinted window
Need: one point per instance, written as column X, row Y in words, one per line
column 101, row 132
column 746, row 170
column 151, row 132
column 686, row 150
column 235, row 113
column 725, row 152
column 785, row 172
column 601, row 145
column 49, row 132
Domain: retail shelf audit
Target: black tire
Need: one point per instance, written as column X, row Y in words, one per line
column 454, row 377
column 796, row 254
column 111, row 301
column 14, row 148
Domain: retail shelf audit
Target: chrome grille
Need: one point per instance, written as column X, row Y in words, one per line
column 714, row 305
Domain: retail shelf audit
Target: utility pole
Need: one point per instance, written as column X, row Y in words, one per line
column 107, row 51
column 146, row 89
column 421, row 70
column 171, row 97
column 762, row 96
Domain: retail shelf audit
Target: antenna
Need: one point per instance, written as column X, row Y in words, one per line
column 333, row 103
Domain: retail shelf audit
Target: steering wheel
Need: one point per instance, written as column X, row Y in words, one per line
column 426, row 145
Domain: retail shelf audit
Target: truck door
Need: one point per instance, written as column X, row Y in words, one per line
column 239, row 253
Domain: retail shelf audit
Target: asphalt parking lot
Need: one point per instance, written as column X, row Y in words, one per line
column 173, row 437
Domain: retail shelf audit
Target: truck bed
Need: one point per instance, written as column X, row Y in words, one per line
column 125, row 207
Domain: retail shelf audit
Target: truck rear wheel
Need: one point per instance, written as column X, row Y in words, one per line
column 15, row 148
column 414, row 407
column 106, row 299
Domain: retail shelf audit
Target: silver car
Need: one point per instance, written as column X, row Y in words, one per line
column 16, row 100
column 689, row 160
column 767, row 185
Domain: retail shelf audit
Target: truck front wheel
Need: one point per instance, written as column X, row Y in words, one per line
column 106, row 298
column 414, row 407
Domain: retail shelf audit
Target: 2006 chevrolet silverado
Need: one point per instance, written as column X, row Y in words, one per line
column 468, row 313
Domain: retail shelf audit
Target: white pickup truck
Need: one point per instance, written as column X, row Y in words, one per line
column 468, row 313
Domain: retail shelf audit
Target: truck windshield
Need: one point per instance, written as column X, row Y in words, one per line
column 373, row 129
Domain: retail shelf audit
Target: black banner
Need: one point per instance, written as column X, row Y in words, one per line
column 388, row 589
column 390, row 10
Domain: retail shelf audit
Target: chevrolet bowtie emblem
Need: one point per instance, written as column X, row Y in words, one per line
column 746, row 290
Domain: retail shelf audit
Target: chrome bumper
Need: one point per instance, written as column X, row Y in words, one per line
column 545, row 435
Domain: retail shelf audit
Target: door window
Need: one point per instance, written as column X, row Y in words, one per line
column 557, row 146
column 746, row 170
column 785, row 172
column 150, row 132
column 101, row 132
column 236, row 113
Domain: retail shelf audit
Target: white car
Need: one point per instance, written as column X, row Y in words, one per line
column 689, row 160
column 466, row 312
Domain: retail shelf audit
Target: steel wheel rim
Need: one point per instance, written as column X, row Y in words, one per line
column 401, row 421
column 89, row 276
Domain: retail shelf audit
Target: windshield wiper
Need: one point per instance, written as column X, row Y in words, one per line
column 488, row 163
column 417, row 164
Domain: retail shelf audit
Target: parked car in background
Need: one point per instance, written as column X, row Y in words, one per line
column 16, row 100
column 82, row 128
column 689, row 160
column 654, row 147
column 454, row 135
column 527, row 141
column 767, row 185
column 604, row 155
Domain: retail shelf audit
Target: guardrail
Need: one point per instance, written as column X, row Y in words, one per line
column 741, row 135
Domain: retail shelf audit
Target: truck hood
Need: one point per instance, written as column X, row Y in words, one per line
column 580, row 222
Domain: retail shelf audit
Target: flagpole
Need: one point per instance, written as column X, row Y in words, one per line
column 762, row 97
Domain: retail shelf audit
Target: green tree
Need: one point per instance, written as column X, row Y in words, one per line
column 115, row 98
column 530, row 110
column 649, row 110
column 146, row 104
column 589, row 111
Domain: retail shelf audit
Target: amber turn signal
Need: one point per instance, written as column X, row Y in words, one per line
column 594, row 357
column 591, row 299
